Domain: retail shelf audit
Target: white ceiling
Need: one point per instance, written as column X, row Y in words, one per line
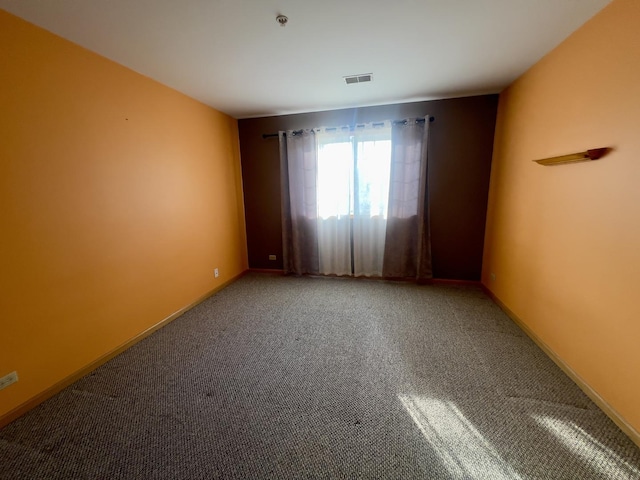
column 233, row 55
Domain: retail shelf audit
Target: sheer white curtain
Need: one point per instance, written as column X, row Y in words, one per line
column 335, row 204
column 353, row 191
column 373, row 161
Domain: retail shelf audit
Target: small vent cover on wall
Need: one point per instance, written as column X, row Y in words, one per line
column 360, row 78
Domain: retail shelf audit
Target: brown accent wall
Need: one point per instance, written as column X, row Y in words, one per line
column 460, row 149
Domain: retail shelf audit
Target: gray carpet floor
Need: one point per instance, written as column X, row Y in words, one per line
column 284, row 377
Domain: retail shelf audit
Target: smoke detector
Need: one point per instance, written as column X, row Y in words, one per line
column 360, row 78
column 282, row 20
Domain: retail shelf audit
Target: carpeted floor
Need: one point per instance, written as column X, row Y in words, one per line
column 282, row 377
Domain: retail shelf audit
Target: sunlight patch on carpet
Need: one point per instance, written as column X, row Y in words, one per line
column 584, row 445
column 460, row 446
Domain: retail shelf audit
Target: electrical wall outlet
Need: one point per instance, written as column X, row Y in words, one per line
column 216, row 273
column 272, row 257
column 8, row 380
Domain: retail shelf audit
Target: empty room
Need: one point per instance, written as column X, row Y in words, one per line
column 290, row 239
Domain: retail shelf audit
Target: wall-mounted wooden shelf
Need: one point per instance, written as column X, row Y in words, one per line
column 593, row 154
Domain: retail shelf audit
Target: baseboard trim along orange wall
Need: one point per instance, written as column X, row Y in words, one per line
column 611, row 412
column 65, row 382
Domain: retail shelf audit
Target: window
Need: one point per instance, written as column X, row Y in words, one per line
column 353, row 172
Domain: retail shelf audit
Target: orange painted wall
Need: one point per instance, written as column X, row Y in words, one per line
column 118, row 198
column 564, row 241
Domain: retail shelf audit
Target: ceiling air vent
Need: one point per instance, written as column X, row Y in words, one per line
column 361, row 78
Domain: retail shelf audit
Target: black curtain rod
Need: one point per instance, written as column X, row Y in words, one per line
column 431, row 119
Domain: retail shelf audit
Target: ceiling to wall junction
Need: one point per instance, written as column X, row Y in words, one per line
column 234, row 56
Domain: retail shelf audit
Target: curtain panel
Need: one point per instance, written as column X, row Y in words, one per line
column 354, row 200
column 299, row 206
column 407, row 251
